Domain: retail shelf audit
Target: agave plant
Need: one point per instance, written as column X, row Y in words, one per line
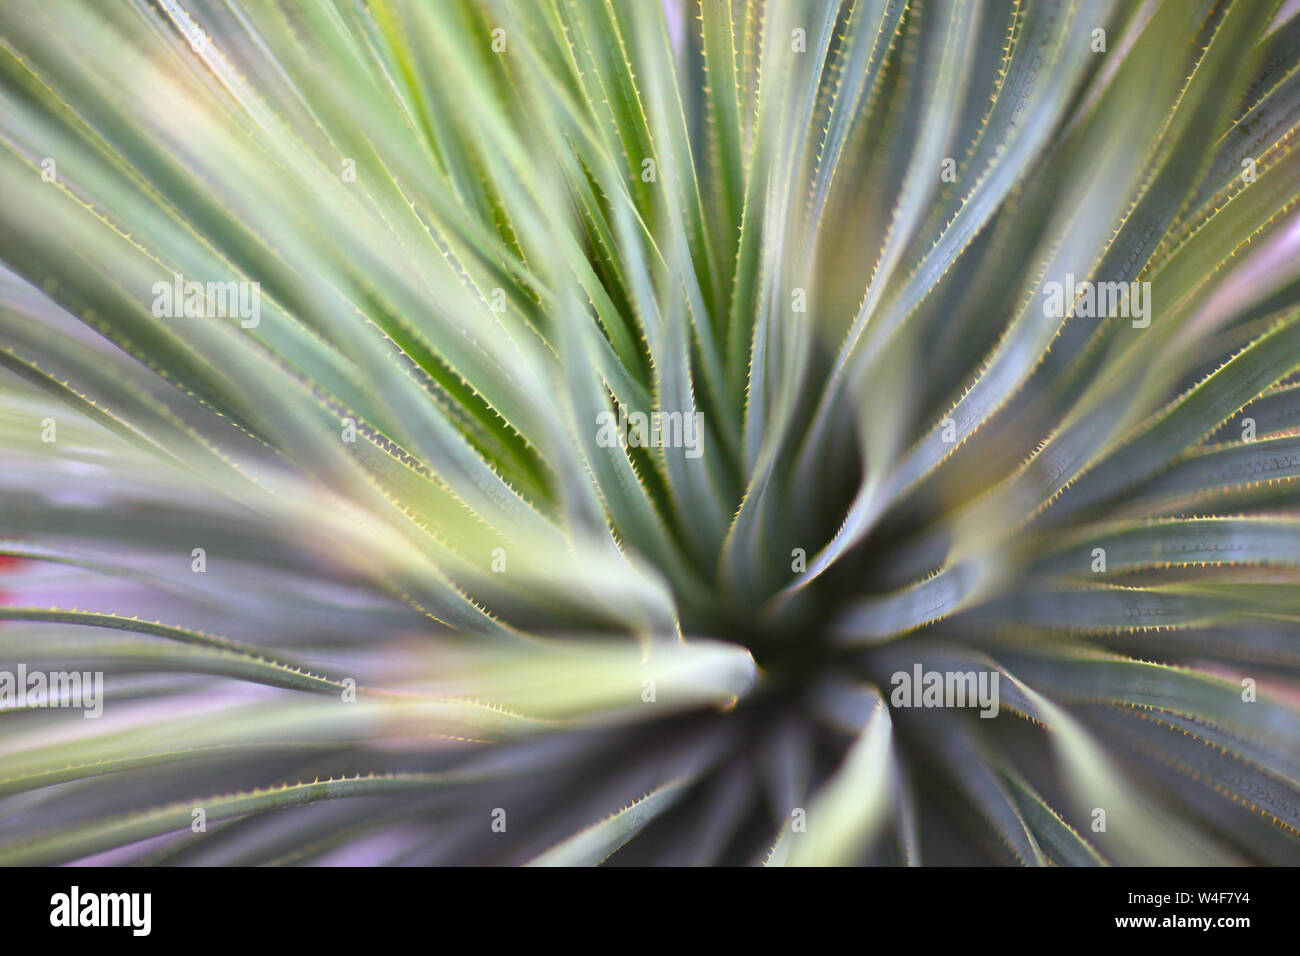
column 576, row 431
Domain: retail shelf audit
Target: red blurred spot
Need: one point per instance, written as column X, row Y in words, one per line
column 7, row 563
